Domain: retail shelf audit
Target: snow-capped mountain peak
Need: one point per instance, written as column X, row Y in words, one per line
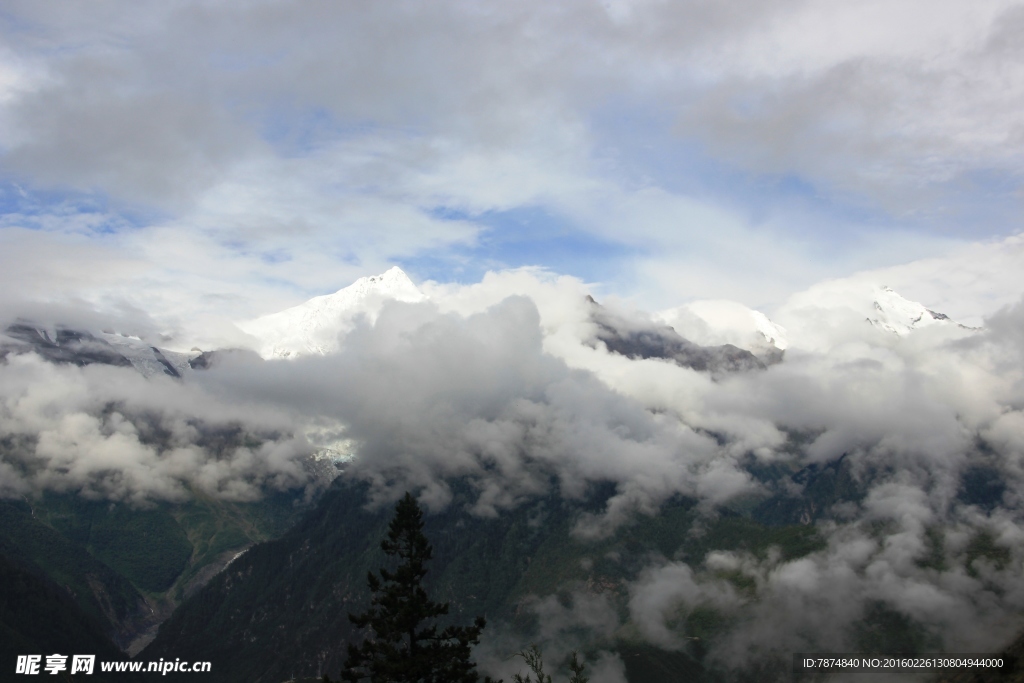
column 901, row 316
column 392, row 283
column 838, row 311
column 314, row 327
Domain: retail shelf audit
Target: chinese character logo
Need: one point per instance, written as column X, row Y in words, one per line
column 56, row 663
column 83, row 664
column 28, row 664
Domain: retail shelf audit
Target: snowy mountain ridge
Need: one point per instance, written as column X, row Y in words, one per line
column 896, row 314
column 59, row 344
column 858, row 308
column 148, row 360
column 314, row 327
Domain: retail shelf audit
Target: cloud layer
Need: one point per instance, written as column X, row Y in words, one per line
column 108, row 433
column 516, row 396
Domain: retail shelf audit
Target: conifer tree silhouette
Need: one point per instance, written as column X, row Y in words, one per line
column 406, row 645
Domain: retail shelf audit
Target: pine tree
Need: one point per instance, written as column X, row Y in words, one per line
column 406, row 645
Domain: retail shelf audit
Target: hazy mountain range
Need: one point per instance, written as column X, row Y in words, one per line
column 701, row 490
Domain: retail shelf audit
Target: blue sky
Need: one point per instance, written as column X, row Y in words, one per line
column 200, row 159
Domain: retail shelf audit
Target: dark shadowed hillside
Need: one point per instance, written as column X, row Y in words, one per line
column 280, row 611
column 38, row 617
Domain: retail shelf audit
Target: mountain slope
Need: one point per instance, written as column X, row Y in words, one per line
column 901, row 316
column 80, row 347
column 718, row 322
column 313, row 327
column 316, row 326
column 100, row 592
column 62, row 346
column 643, row 338
column 280, row 611
column 39, row 617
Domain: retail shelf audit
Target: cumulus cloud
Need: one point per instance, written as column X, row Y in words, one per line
column 914, row 419
column 108, row 433
column 430, row 396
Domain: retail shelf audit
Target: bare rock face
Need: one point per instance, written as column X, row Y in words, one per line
column 62, row 346
column 65, row 345
column 641, row 338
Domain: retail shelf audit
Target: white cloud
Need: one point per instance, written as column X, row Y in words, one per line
column 328, row 152
column 108, row 433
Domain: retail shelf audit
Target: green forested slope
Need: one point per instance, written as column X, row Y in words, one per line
column 146, row 546
column 125, row 566
column 99, row 591
column 37, row 617
column 281, row 610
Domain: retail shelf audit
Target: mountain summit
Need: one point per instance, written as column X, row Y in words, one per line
column 835, row 312
column 314, row 327
column 896, row 314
